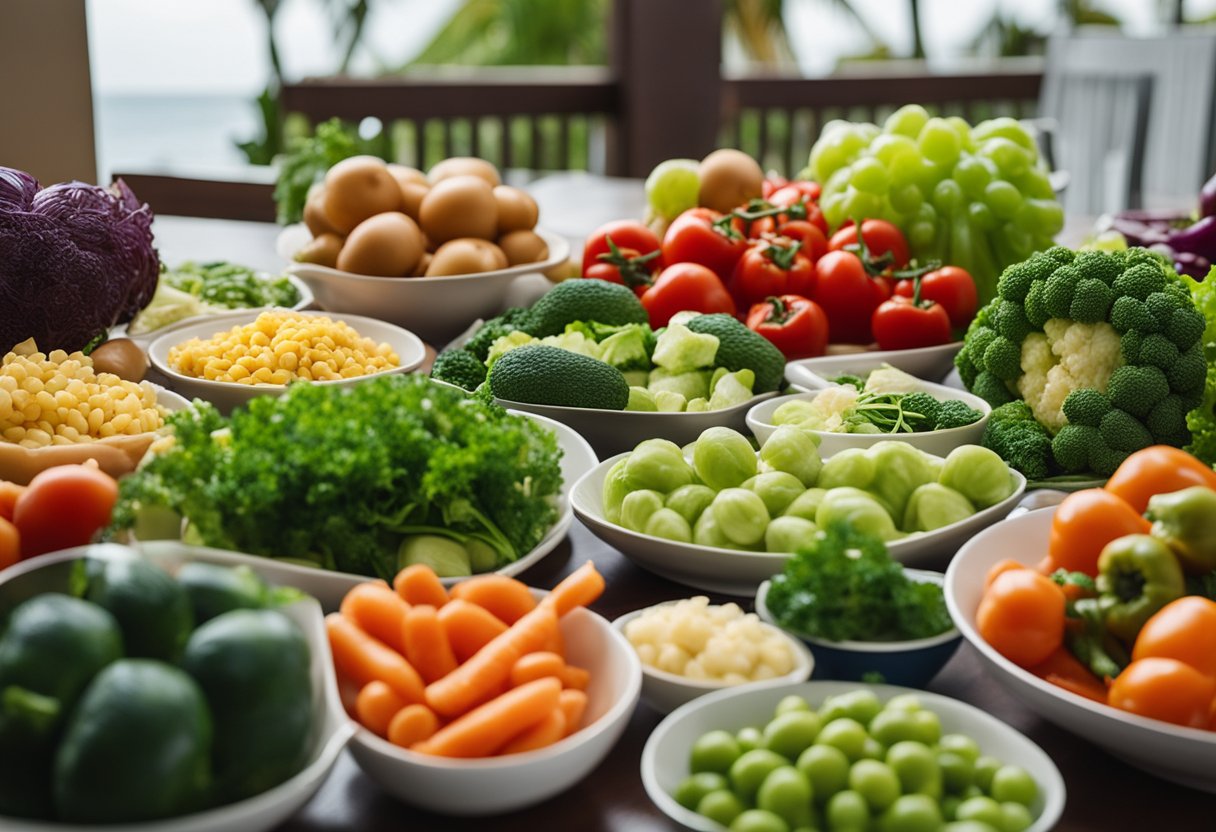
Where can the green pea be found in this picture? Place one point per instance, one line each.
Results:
(847, 812)
(861, 705)
(874, 781)
(793, 702)
(758, 820)
(694, 787)
(960, 744)
(714, 751)
(787, 793)
(749, 771)
(722, 806)
(911, 813)
(891, 726)
(950, 804)
(969, 826)
(792, 733)
(957, 771)
(846, 734)
(984, 809)
(1017, 817)
(827, 767)
(749, 738)
(985, 768)
(873, 750)
(915, 766)
(928, 727)
(1013, 784)
(907, 702)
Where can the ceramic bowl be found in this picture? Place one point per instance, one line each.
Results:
(227, 395)
(330, 731)
(911, 663)
(1183, 755)
(929, 363)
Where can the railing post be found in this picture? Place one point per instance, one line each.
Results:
(666, 56)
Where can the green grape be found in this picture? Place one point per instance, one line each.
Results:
(838, 182)
(851, 141)
(1011, 159)
(1003, 198)
(939, 142)
(869, 131)
(963, 129)
(673, 186)
(1034, 183)
(859, 205)
(870, 176)
(1016, 237)
(1047, 216)
(922, 234)
(972, 176)
(981, 216)
(826, 159)
(908, 121)
(947, 197)
(906, 199)
(1005, 128)
(833, 207)
(887, 146)
(906, 169)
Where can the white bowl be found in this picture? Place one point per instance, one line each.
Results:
(665, 691)
(1172, 752)
(437, 308)
(331, 729)
(329, 587)
(501, 784)
(936, 442)
(733, 572)
(931, 363)
(665, 757)
(613, 431)
(226, 395)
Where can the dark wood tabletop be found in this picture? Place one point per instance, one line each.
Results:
(1104, 794)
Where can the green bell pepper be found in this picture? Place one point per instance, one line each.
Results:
(1137, 575)
(1186, 522)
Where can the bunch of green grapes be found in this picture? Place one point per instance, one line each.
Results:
(977, 197)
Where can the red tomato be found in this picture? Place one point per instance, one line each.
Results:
(848, 295)
(772, 183)
(900, 324)
(950, 286)
(814, 242)
(773, 267)
(701, 236)
(625, 252)
(804, 195)
(685, 286)
(796, 326)
(63, 507)
(880, 237)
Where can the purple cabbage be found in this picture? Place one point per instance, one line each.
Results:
(75, 260)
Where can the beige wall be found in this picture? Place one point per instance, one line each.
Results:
(46, 109)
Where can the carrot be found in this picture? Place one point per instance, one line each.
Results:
(578, 589)
(468, 627)
(575, 677)
(378, 611)
(485, 675)
(1000, 567)
(555, 643)
(9, 492)
(1063, 669)
(376, 706)
(506, 598)
(426, 644)
(488, 727)
(418, 584)
(363, 659)
(546, 732)
(573, 704)
(412, 724)
(537, 666)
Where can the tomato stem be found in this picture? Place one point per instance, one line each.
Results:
(780, 313)
(782, 256)
(633, 270)
(874, 266)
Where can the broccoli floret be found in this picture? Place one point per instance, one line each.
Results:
(1036, 309)
(1086, 407)
(1011, 322)
(1140, 280)
(1189, 371)
(1124, 432)
(1098, 265)
(1104, 460)
(1167, 421)
(967, 371)
(1158, 351)
(1061, 255)
(1091, 301)
(1058, 294)
(991, 389)
(977, 342)
(459, 367)
(921, 403)
(1142, 256)
(1019, 279)
(1071, 445)
(1003, 358)
(1129, 346)
(1129, 314)
(513, 319)
(847, 378)
(1184, 328)
(955, 414)
(1137, 389)
(1163, 305)
(1014, 435)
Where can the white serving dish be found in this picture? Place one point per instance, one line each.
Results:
(437, 308)
(936, 442)
(930, 363)
(331, 730)
(665, 757)
(1182, 755)
(329, 587)
(494, 785)
(613, 431)
(739, 573)
(665, 691)
(226, 395)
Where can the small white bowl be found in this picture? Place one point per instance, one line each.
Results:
(495, 785)
(931, 363)
(437, 308)
(665, 757)
(226, 395)
(665, 691)
(1172, 752)
(936, 442)
(331, 729)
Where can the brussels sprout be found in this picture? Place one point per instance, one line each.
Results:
(707, 532)
(697, 405)
(659, 465)
(723, 458)
(793, 451)
(641, 400)
(616, 486)
(852, 468)
(806, 504)
(899, 469)
(863, 427)
(482, 556)
(679, 349)
(637, 508)
(934, 505)
(689, 501)
(776, 488)
(668, 401)
(670, 525)
(789, 534)
(731, 389)
(449, 558)
(691, 385)
(978, 474)
(799, 413)
(858, 509)
(741, 515)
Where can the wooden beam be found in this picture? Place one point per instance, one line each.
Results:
(182, 196)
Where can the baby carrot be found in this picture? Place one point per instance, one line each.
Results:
(376, 706)
(418, 584)
(555, 643)
(578, 589)
(546, 732)
(378, 611)
(485, 674)
(363, 659)
(573, 704)
(348, 692)
(488, 727)
(9, 492)
(575, 677)
(426, 644)
(413, 723)
(468, 627)
(537, 666)
(506, 598)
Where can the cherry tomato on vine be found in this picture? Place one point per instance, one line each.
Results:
(625, 252)
(796, 326)
(772, 267)
(902, 324)
(685, 286)
(805, 195)
(952, 287)
(880, 236)
(705, 237)
(848, 295)
(814, 242)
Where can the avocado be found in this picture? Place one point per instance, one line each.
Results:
(584, 300)
(541, 374)
(739, 348)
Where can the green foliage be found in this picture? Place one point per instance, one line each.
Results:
(1202, 420)
(307, 159)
